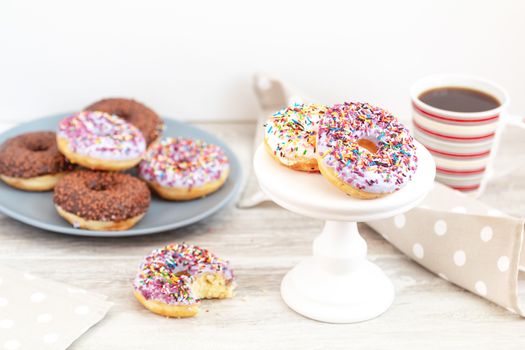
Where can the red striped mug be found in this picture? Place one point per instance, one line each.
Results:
(463, 144)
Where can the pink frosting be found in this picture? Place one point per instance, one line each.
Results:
(101, 135)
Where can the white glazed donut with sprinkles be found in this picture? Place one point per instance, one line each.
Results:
(290, 136)
(184, 169)
(100, 141)
(364, 150)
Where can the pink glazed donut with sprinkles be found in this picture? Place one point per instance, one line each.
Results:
(364, 150)
(172, 280)
(183, 169)
(100, 141)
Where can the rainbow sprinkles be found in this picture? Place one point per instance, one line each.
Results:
(183, 163)
(102, 136)
(344, 130)
(290, 135)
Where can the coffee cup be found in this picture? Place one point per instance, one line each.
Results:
(459, 119)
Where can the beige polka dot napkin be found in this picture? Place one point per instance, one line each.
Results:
(42, 314)
(464, 242)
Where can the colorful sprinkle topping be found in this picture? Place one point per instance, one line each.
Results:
(291, 133)
(344, 132)
(102, 135)
(166, 274)
(183, 163)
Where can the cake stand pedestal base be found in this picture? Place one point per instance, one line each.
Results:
(338, 284)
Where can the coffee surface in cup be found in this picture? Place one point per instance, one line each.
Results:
(459, 99)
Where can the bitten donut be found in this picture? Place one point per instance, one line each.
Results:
(100, 141)
(144, 118)
(364, 150)
(184, 169)
(32, 161)
(290, 136)
(101, 201)
(171, 281)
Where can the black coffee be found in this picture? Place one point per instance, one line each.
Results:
(458, 99)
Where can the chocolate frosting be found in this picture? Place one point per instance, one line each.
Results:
(32, 154)
(144, 118)
(102, 196)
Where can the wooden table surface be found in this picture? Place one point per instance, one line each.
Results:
(262, 244)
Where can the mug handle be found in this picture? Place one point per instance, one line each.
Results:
(509, 120)
(514, 120)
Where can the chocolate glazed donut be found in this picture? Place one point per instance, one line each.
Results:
(144, 118)
(101, 200)
(32, 161)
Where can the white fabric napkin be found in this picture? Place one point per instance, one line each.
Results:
(41, 314)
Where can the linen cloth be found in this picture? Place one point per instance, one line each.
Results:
(463, 241)
(455, 236)
(36, 313)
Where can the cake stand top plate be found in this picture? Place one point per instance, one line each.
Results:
(312, 195)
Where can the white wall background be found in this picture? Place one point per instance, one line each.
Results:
(194, 59)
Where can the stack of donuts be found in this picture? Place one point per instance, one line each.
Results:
(87, 163)
(362, 149)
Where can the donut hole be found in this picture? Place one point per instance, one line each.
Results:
(367, 144)
(98, 186)
(38, 147)
(121, 113)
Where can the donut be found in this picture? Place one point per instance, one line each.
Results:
(171, 281)
(144, 118)
(32, 162)
(290, 136)
(101, 201)
(183, 169)
(364, 150)
(100, 141)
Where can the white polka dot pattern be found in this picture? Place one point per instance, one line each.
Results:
(399, 221)
(481, 288)
(440, 227)
(463, 241)
(418, 250)
(503, 263)
(460, 258)
(41, 314)
(486, 233)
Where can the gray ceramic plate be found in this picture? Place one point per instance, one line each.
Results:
(37, 209)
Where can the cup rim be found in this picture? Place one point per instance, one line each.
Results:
(474, 82)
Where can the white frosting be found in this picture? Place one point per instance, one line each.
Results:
(291, 133)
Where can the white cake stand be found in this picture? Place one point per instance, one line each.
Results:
(338, 284)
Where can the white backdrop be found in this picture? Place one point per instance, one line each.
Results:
(195, 59)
